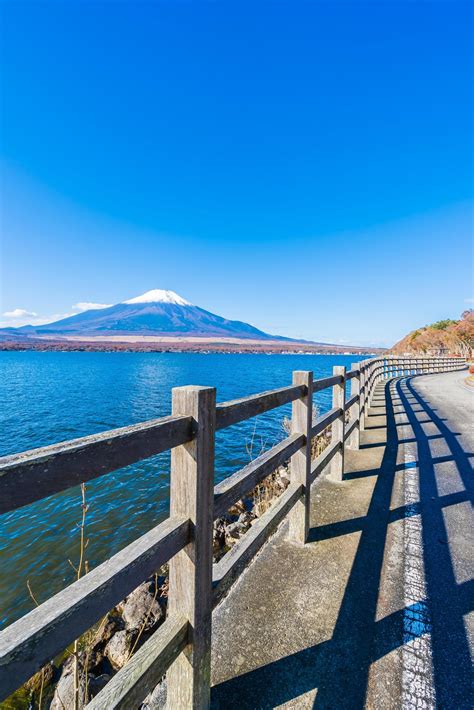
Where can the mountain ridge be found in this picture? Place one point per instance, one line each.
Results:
(157, 321)
(157, 313)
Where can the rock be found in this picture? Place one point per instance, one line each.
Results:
(68, 665)
(246, 519)
(281, 484)
(64, 693)
(119, 647)
(102, 636)
(95, 656)
(97, 683)
(237, 509)
(234, 532)
(141, 607)
(218, 535)
(107, 629)
(156, 700)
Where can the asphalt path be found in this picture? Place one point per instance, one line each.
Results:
(439, 540)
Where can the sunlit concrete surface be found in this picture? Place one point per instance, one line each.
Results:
(374, 611)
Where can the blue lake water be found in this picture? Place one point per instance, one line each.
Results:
(48, 397)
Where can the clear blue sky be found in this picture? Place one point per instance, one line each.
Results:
(304, 166)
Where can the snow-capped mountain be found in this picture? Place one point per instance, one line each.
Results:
(157, 312)
(158, 295)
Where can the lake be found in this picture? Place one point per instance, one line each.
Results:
(53, 396)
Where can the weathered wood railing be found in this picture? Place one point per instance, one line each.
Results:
(181, 646)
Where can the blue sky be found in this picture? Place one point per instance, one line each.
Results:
(303, 166)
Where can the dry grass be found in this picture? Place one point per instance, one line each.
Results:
(273, 486)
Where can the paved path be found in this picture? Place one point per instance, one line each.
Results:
(373, 611)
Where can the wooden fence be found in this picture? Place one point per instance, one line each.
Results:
(181, 645)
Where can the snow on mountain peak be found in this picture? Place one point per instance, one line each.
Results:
(159, 295)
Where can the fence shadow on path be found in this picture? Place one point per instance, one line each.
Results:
(339, 667)
(448, 601)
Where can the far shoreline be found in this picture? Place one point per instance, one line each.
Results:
(195, 345)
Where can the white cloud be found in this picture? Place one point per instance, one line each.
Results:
(20, 316)
(88, 306)
(469, 300)
(20, 313)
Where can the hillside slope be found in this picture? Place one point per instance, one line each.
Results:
(442, 337)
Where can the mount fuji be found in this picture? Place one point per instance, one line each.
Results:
(154, 313)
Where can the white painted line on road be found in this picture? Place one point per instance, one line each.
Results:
(417, 660)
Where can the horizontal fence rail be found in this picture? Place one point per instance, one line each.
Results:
(324, 459)
(349, 428)
(325, 420)
(352, 400)
(181, 645)
(235, 487)
(39, 473)
(145, 669)
(240, 409)
(45, 632)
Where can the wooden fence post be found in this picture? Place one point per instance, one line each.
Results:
(362, 381)
(190, 571)
(371, 385)
(366, 392)
(354, 438)
(301, 423)
(338, 400)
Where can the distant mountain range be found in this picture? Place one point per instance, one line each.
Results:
(154, 313)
